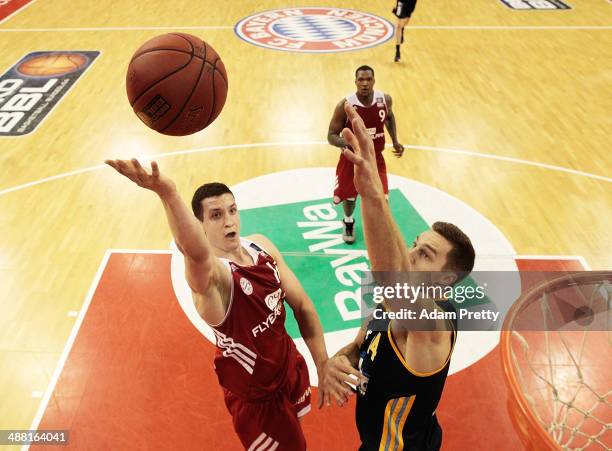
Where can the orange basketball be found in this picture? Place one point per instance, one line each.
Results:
(52, 64)
(176, 83)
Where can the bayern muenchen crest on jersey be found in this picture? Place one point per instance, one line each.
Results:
(246, 286)
(314, 30)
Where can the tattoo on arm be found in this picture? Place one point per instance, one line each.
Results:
(336, 125)
(336, 140)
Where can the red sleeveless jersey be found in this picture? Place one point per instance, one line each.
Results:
(374, 117)
(253, 347)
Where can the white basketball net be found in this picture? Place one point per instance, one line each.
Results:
(569, 393)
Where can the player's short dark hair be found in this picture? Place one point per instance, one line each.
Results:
(213, 189)
(461, 257)
(364, 67)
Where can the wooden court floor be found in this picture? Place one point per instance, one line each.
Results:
(506, 111)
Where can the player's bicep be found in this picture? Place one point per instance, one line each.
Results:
(388, 110)
(203, 275)
(338, 120)
(199, 274)
(389, 103)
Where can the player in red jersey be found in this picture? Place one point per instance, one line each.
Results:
(239, 288)
(374, 107)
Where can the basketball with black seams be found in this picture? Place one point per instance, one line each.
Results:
(177, 84)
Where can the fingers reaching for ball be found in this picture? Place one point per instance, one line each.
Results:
(133, 170)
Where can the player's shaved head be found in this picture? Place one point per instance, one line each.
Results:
(364, 68)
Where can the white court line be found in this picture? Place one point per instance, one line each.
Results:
(75, 330)
(62, 30)
(21, 8)
(510, 159)
(584, 263)
(67, 348)
(510, 27)
(231, 27)
(303, 143)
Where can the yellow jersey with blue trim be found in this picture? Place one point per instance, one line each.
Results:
(396, 406)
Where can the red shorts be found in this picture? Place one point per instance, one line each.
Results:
(345, 186)
(274, 424)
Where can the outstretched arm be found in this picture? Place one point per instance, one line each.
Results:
(205, 273)
(384, 241)
(398, 148)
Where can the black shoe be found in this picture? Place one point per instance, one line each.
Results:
(397, 56)
(348, 234)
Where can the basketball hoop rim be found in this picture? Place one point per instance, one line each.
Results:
(510, 376)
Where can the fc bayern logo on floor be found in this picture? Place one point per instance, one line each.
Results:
(314, 30)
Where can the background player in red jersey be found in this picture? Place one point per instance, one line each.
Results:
(402, 369)
(239, 287)
(374, 107)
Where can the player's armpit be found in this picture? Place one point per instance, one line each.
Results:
(210, 283)
(435, 349)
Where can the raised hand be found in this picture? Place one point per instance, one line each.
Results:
(367, 181)
(133, 170)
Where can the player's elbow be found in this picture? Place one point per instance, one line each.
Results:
(333, 137)
(304, 312)
(307, 310)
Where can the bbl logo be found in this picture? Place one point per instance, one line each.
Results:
(314, 30)
(31, 88)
